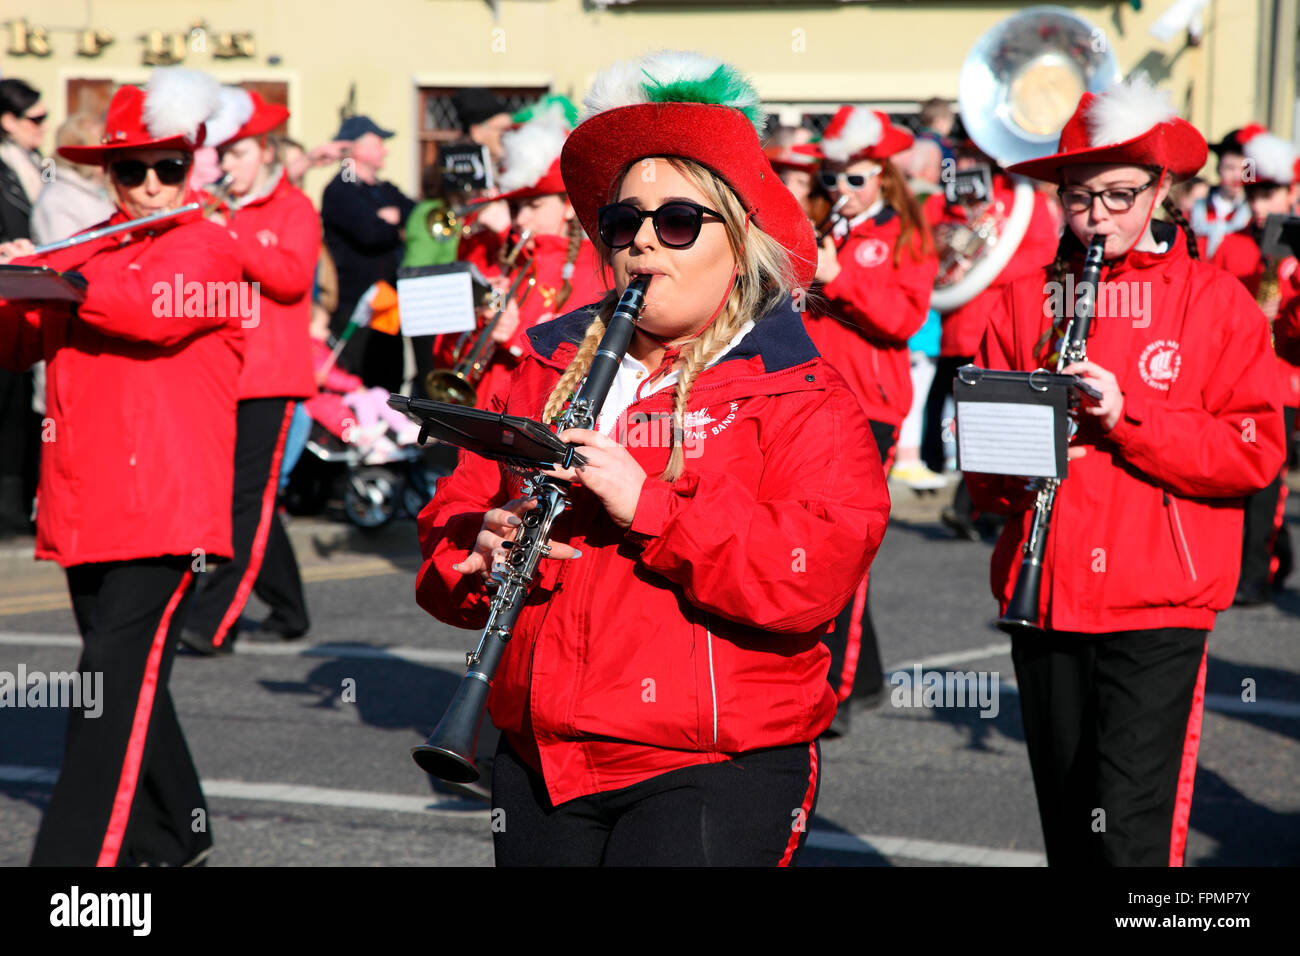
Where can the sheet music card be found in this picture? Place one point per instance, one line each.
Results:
(435, 300)
(1008, 426)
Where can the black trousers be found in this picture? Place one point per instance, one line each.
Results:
(751, 810)
(127, 792)
(264, 562)
(855, 654)
(1265, 545)
(19, 451)
(945, 368)
(1112, 723)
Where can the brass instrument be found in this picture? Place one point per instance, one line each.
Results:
(1019, 84)
(459, 385)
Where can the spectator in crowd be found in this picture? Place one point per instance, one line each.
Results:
(22, 130)
(363, 217)
(75, 199)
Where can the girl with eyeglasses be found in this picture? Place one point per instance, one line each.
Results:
(557, 268)
(136, 471)
(662, 694)
(875, 270)
(1145, 539)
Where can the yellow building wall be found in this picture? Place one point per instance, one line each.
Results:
(880, 52)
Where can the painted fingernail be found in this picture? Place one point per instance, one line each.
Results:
(514, 521)
(577, 554)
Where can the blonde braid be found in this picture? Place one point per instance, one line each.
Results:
(573, 375)
(694, 358)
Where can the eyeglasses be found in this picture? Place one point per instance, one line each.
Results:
(854, 180)
(132, 172)
(1115, 199)
(677, 223)
(38, 119)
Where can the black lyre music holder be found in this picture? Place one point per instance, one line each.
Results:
(512, 439)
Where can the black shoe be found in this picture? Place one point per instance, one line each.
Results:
(192, 642)
(960, 525)
(872, 699)
(275, 626)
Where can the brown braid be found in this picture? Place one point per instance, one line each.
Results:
(1181, 222)
(576, 236)
(1066, 249)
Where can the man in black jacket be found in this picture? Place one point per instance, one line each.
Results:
(363, 217)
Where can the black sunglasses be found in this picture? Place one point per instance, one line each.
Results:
(132, 172)
(1115, 199)
(677, 223)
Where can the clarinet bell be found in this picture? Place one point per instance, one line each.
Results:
(448, 754)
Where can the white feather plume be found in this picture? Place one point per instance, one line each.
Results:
(1272, 158)
(177, 101)
(861, 131)
(623, 84)
(527, 152)
(234, 109)
(1127, 110)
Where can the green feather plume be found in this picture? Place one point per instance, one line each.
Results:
(725, 86)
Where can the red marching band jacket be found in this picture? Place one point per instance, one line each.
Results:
(696, 633)
(1239, 255)
(963, 327)
(1147, 528)
(141, 389)
(278, 237)
(870, 311)
(544, 263)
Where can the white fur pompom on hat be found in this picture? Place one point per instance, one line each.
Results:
(234, 109)
(178, 101)
(858, 128)
(673, 76)
(529, 151)
(1127, 110)
(1272, 159)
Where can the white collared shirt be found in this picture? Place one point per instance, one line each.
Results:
(631, 373)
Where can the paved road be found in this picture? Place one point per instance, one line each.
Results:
(297, 776)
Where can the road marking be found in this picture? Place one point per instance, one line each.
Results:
(1220, 703)
(928, 851)
(311, 574)
(957, 657)
(417, 655)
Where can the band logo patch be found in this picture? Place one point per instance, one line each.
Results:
(1159, 364)
(871, 252)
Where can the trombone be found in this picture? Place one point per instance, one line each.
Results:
(459, 385)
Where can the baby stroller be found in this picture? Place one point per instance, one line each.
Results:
(376, 489)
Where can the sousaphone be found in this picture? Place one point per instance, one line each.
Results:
(1019, 84)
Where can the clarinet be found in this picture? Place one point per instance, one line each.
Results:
(1022, 614)
(449, 752)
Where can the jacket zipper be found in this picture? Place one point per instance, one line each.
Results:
(713, 687)
(1172, 504)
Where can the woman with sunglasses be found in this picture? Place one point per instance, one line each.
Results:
(557, 269)
(663, 691)
(875, 270)
(1145, 538)
(277, 232)
(135, 487)
(22, 130)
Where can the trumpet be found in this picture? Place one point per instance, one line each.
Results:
(459, 385)
(449, 752)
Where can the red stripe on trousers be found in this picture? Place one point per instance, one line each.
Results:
(853, 647)
(1187, 772)
(1279, 515)
(259, 539)
(806, 807)
(130, 776)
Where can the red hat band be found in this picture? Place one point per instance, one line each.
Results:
(551, 184)
(266, 117)
(721, 138)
